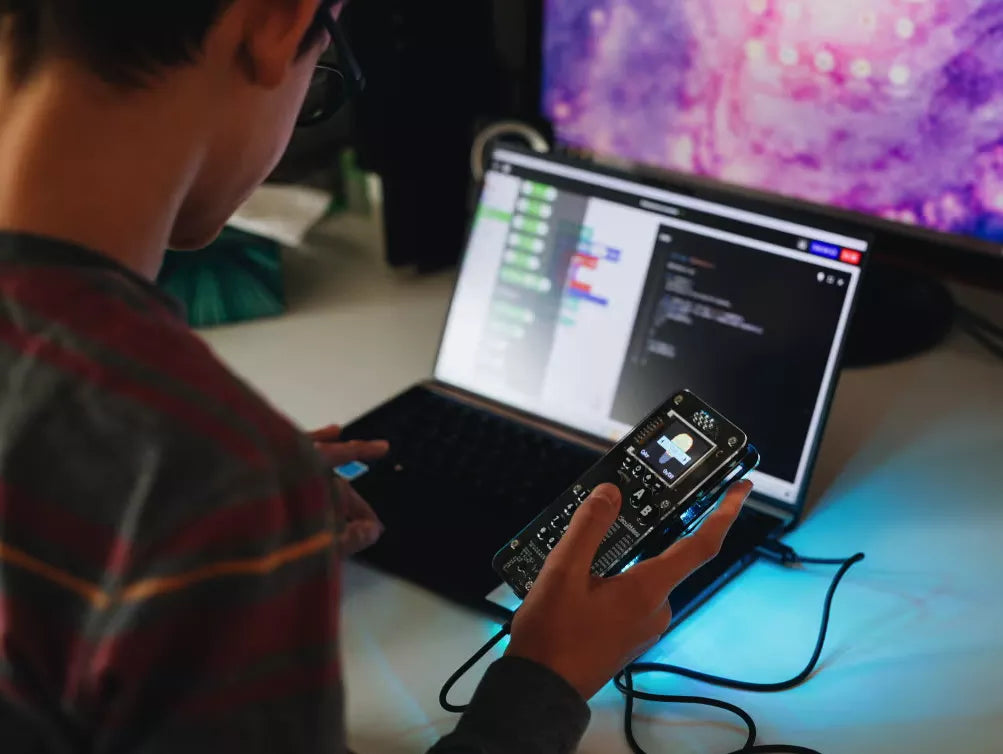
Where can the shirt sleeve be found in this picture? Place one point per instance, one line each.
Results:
(520, 707)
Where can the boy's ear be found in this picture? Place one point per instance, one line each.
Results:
(273, 34)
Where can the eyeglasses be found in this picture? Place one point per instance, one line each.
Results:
(334, 84)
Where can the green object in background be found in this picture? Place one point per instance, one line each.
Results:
(236, 278)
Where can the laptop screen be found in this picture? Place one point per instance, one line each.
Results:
(587, 299)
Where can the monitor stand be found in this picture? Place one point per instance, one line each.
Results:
(900, 314)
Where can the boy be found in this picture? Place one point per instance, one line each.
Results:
(169, 544)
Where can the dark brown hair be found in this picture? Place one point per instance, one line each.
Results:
(125, 42)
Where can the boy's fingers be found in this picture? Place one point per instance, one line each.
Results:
(589, 525)
(665, 572)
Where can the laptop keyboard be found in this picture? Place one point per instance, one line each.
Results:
(440, 440)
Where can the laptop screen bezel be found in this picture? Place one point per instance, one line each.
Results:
(652, 178)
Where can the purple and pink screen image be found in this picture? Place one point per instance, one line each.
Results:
(892, 108)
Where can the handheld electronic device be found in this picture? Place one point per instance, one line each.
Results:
(671, 469)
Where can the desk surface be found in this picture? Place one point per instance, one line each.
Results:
(907, 473)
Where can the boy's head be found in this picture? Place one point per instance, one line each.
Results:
(232, 74)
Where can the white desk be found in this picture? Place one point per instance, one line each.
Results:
(909, 472)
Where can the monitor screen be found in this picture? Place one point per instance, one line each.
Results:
(587, 299)
(892, 108)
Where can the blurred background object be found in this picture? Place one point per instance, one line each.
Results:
(237, 278)
(438, 73)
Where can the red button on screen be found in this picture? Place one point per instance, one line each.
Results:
(850, 256)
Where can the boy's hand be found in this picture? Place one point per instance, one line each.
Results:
(586, 628)
(362, 526)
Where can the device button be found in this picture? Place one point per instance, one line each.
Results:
(638, 471)
(649, 480)
(637, 497)
(647, 513)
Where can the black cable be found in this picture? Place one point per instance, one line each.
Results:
(448, 686)
(778, 552)
(986, 332)
(984, 339)
(624, 680)
(654, 667)
(631, 694)
(981, 321)
(824, 561)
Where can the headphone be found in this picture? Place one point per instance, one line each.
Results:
(509, 130)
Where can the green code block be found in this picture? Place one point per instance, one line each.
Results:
(525, 279)
(522, 259)
(526, 243)
(537, 227)
(536, 207)
(491, 213)
(519, 314)
(539, 191)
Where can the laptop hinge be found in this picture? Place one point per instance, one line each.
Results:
(771, 509)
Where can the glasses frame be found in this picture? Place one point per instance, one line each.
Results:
(346, 79)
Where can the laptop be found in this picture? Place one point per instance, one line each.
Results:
(585, 297)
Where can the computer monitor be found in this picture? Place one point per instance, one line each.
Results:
(889, 109)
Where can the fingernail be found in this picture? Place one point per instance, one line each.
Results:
(745, 488)
(606, 493)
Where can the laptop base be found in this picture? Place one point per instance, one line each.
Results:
(447, 513)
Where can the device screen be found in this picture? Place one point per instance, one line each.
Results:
(676, 450)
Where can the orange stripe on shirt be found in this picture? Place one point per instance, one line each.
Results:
(150, 588)
(90, 592)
